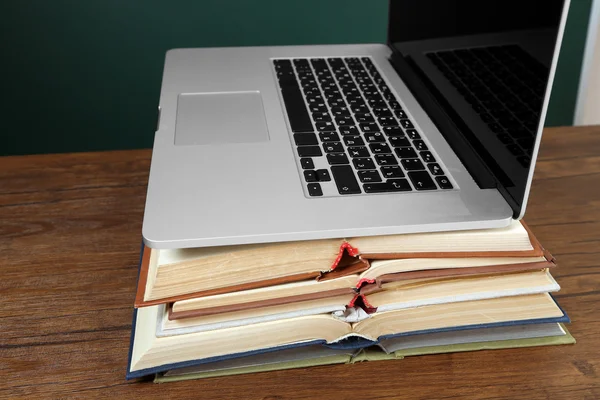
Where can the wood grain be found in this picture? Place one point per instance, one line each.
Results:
(69, 246)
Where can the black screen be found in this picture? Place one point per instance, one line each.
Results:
(486, 64)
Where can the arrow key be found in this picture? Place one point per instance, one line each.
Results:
(421, 180)
(314, 189)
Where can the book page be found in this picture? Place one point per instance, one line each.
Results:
(421, 292)
(511, 238)
(247, 317)
(441, 316)
(385, 267)
(185, 271)
(267, 293)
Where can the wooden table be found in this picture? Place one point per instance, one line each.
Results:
(70, 232)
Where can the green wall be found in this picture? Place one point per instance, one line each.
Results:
(85, 75)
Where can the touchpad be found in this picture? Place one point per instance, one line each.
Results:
(212, 118)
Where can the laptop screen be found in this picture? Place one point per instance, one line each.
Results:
(487, 65)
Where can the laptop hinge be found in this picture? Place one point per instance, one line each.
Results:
(451, 126)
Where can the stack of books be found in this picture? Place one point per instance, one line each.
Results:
(228, 310)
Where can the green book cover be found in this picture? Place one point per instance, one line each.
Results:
(372, 354)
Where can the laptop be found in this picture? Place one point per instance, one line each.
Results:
(438, 129)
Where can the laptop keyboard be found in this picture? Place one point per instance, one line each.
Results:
(505, 86)
(350, 133)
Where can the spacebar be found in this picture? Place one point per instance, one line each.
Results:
(296, 109)
(344, 179)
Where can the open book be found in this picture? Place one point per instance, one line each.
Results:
(385, 295)
(153, 353)
(325, 268)
(486, 338)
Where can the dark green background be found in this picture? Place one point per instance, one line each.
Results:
(85, 75)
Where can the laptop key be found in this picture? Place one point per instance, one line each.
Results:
(377, 103)
(405, 152)
(412, 164)
(382, 112)
(356, 102)
(399, 184)
(359, 108)
(413, 134)
(369, 176)
(348, 130)
(300, 62)
(360, 118)
(427, 156)
(329, 137)
(393, 131)
(375, 137)
(314, 98)
(305, 75)
(386, 159)
(435, 169)
(368, 127)
(333, 147)
(279, 64)
(340, 111)
(310, 176)
(406, 124)
(307, 163)
(334, 103)
(398, 141)
(309, 84)
(387, 121)
(389, 97)
(443, 182)
(355, 99)
(421, 180)
(400, 114)
(380, 148)
(286, 75)
(323, 175)
(325, 126)
(367, 61)
(363, 163)
(309, 151)
(392, 171)
(305, 139)
(337, 158)
(354, 141)
(321, 117)
(331, 93)
(296, 109)
(393, 185)
(317, 108)
(344, 178)
(344, 121)
(394, 105)
(420, 145)
(314, 189)
(358, 151)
